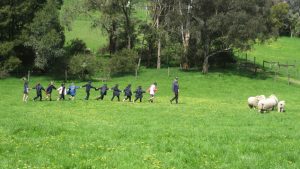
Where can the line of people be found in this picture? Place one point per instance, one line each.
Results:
(72, 90)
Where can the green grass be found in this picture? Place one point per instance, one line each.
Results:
(95, 38)
(283, 50)
(212, 126)
(81, 29)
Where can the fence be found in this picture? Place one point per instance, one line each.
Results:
(287, 71)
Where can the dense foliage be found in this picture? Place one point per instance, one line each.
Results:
(190, 33)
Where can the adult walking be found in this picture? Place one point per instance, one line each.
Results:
(175, 88)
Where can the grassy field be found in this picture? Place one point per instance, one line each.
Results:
(284, 50)
(212, 126)
(94, 38)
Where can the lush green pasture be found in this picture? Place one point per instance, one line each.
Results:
(283, 50)
(212, 126)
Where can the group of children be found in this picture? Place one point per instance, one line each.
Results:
(72, 89)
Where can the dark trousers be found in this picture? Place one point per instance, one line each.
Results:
(49, 96)
(128, 97)
(115, 96)
(175, 98)
(87, 95)
(38, 95)
(101, 97)
(62, 97)
(138, 98)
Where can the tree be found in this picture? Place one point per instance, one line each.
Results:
(223, 25)
(46, 36)
(281, 17)
(14, 17)
(116, 20)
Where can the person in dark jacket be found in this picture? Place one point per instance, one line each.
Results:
(38, 89)
(139, 94)
(49, 91)
(175, 89)
(127, 93)
(103, 91)
(72, 91)
(25, 91)
(88, 88)
(116, 92)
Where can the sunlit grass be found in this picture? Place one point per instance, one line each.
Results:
(212, 126)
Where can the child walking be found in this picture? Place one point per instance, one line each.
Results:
(72, 91)
(49, 91)
(139, 94)
(116, 92)
(152, 90)
(62, 92)
(127, 93)
(25, 91)
(38, 89)
(88, 88)
(103, 91)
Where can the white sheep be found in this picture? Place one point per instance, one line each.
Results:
(253, 101)
(281, 106)
(267, 104)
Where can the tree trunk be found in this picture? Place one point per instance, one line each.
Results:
(128, 42)
(158, 53)
(185, 32)
(112, 38)
(158, 44)
(205, 65)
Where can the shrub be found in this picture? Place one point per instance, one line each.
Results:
(124, 61)
(83, 65)
(9, 65)
(77, 46)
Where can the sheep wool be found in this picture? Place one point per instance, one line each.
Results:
(267, 104)
(281, 106)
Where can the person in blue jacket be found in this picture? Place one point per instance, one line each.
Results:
(49, 91)
(127, 93)
(72, 91)
(175, 89)
(103, 91)
(139, 94)
(38, 89)
(116, 92)
(88, 88)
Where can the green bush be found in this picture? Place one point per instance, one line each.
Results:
(9, 65)
(83, 65)
(77, 46)
(124, 61)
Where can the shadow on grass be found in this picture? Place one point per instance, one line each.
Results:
(234, 70)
